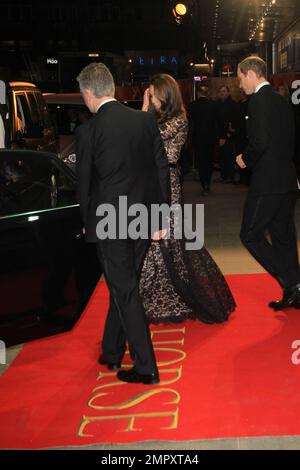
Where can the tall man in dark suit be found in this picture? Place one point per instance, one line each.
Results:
(202, 114)
(270, 200)
(120, 153)
(228, 121)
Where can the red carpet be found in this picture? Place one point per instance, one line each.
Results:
(231, 380)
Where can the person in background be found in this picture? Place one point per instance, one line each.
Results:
(283, 90)
(228, 121)
(202, 116)
(4, 127)
(2, 133)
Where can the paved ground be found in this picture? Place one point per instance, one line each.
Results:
(223, 212)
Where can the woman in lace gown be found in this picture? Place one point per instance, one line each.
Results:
(178, 284)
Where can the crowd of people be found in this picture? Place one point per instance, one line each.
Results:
(219, 133)
(123, 152)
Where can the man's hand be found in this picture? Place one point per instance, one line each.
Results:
(222, 142)
(159, 235)
(240, 162)
(231, 130)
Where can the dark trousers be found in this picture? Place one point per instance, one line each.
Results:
(227, 159)
(126, 319)
(204, 162)
(273, 213)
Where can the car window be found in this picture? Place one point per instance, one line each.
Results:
(36, 116)
(43, 110)
(29, 184)
(67, 117)
(23, 120)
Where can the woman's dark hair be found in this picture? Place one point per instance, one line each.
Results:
(168, 92)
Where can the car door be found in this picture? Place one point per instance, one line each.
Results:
(46, 270)
(66, 118)
(50, 142)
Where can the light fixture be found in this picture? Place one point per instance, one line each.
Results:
(261, 23)
(180, 9)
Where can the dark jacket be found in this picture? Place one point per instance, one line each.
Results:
(119, 153)
(203, 117)
(270, 151)
(227, 116)
(241, 138)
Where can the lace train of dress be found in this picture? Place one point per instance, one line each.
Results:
(177, 285)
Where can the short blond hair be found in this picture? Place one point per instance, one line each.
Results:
(254, 63)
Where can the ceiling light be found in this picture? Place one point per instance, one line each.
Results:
(180, 9)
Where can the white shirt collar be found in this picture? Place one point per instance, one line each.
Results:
(260, 86)
(104, 102)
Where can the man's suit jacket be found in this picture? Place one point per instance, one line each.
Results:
(227, 115)
(271, 143)
(119, 153)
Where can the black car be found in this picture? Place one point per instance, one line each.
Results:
(47, 271)
(25, 117)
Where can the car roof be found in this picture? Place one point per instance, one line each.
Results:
(23, 84)
(16, 86)
(63, 98)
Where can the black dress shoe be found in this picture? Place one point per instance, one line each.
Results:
(291, 298)
(110, 365)
(132, 376)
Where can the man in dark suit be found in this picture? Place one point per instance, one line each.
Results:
(202, 114)
(120, 153)
(270, 201)
(228, 121)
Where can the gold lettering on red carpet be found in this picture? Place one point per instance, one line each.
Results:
(115, 405)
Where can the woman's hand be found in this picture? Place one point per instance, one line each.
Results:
(146, 100)
(240, 162)
(159, 235)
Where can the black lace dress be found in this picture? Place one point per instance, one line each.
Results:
(178, 284)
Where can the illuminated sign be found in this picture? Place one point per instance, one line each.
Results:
(199, 79)
(52, 61)
(157, 60)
